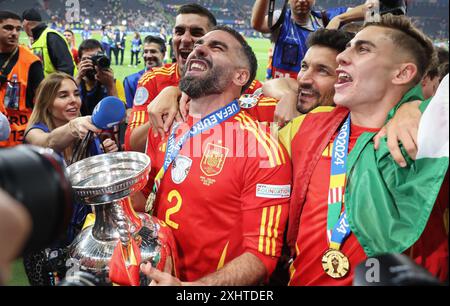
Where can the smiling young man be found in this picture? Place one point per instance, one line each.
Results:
(192, 22)
(222, 182)
(16, 61)
(154, 51)
(379, 68)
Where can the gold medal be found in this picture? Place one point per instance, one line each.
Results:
(149, 204)
(335, 264)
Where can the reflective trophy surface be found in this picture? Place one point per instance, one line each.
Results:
(106, 182)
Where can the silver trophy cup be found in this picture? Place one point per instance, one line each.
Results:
(106, 182)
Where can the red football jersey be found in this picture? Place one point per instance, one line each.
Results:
(430, 251)
(226, 193)
(149, 86)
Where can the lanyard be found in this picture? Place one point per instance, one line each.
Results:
(338, 228)
(206, 123)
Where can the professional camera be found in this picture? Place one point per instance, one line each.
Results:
(101, 60)
(36, 178)
(394, 7)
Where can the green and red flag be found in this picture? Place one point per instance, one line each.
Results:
(388, 206)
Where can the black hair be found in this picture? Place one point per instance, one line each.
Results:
(68, 30)
(442, 55)
(333, 39)
(89, 44)
(194, 8)
(157, 40)
(9, 15)
(246, 50)
(443, 71)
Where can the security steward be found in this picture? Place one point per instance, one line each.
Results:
(48, 44)
(21, 73)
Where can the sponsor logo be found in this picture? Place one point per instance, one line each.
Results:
(273, 191)
(213, 159)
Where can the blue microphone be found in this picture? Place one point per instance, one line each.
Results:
(108, 113)
(5, 129)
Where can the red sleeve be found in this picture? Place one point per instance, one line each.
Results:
(146, 91)
(431, 250)
(151, 150)
(267, 184)
(265, 109)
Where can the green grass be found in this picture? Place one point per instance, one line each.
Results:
(18, 276)
(260, 47)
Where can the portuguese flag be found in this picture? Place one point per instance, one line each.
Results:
(388, 206)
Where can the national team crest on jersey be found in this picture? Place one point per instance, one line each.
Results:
(213, 159)
(180, 168)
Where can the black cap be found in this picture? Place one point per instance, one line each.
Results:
(31, 15)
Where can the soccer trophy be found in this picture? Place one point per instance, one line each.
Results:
(120, 239)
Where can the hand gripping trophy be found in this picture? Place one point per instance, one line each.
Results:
(113, 248)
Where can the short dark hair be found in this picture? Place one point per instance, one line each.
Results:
(89, 44)
(443, 71)
(68, 30)
(433, 68)
(408, 39)
(442, 55)
(194, 8)
(333, 39)
(246, 50)
(9, 15)
(156, 40)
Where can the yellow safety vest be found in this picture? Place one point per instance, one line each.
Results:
(40, 48)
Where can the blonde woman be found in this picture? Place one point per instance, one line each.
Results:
(55, 121)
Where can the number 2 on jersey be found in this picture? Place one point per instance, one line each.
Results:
(173, 194)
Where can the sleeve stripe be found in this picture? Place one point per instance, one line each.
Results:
(274, 146)
(275, 236)
(262, 230)
(269, 229)
(222, 257)
(267, 104)
(258, 138)
(278, 145)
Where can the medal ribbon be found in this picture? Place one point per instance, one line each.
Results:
(338, 228)
(206, 123)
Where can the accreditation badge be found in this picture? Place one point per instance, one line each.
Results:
(335, 263)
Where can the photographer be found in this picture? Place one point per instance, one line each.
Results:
(95, 77)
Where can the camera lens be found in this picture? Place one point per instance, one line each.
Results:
(104, 62)
(35, 177)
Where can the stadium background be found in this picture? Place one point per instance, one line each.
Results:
(157, 18)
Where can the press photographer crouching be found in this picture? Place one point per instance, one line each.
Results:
(95, 77)
(31, 219)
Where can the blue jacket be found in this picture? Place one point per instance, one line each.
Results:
(130, 85)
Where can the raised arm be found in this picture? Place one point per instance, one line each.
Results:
(259, 19)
